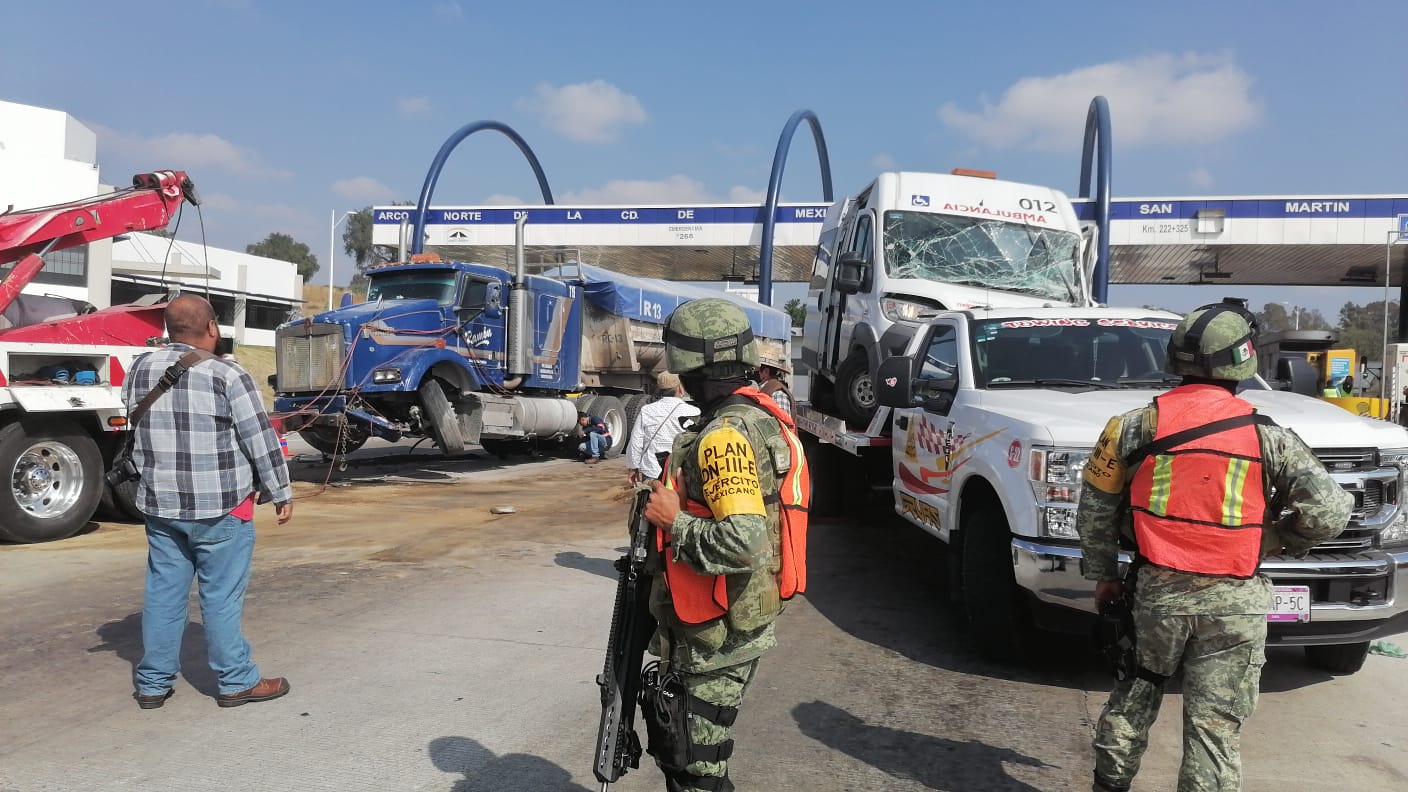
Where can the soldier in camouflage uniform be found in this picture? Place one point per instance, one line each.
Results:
(1213, 626)
(728, 467)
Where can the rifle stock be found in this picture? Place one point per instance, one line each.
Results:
(618, 748)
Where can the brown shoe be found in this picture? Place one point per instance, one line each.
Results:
(265, 690)
(154, 701)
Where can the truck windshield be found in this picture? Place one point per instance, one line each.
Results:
(437, 285)
(1087, 352)
(972, 251)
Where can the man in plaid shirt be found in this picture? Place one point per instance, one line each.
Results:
(204, 450)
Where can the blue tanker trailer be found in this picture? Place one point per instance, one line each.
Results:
(470, 353)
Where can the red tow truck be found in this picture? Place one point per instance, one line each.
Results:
(62, 363)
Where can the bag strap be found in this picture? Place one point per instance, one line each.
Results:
(1163, 444)
(173, 373)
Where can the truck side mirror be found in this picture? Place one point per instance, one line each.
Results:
(850, 272)
(1298, 374)
(894, 383)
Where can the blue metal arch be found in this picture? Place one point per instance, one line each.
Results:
(428, 189)
(1097, 132)
(779, 162)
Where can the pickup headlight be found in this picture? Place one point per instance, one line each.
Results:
(386, 376)
(1396, 531)
(897, 310)
(1055, 475)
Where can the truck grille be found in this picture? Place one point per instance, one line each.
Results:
(1347, 460)
(309, 357)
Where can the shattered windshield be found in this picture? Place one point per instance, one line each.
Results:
(437, 285)
(973, 251)
(1098, 352)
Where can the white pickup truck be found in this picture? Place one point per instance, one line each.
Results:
(991, 415)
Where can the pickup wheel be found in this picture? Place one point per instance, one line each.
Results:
(55, 474)
(1338, 658)
(331, 442)
(443, 424)
(855, 390)
(1000, 623)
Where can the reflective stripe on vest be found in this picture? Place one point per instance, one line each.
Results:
(1200, 506)
(699, 598)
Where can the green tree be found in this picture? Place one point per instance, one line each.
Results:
(285, 248)
(357, 240)
(797, 311)
(1274, 318)
(1362, 327)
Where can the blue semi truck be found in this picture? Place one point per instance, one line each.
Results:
(469, 353)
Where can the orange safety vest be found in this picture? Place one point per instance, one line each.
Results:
(1199, 500)
(700, 598)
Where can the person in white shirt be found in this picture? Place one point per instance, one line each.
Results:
(655, 429)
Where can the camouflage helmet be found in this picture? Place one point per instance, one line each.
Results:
(1214, 341)
(710, 333)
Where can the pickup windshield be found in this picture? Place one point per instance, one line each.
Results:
(1086, 352)
(437, 285)
(973, 251)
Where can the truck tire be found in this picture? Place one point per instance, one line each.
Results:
(1338, 658)
(55, 472)
(855, 390)
(633, 404)
(329, 441)
(996, 616)
(440, 418)
(611, 410)
(121, 502)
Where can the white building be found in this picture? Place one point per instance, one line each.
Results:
(47, 157)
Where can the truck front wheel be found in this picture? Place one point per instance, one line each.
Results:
(996, 615)
(1338, 658)
(440, 416)
(55, 474)
(855, 390)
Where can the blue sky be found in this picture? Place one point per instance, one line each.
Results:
(286, 111)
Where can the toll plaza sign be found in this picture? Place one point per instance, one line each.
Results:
(796, 224)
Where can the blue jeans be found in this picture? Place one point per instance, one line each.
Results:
(595, 446)
(217, 552)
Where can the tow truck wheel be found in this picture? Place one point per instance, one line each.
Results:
(855, 390)
(1338, 658)
(56, 478)
(444, 425)
(332, 442)
(999, 623)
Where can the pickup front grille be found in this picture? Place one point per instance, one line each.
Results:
(309, 357)
(1348, 460)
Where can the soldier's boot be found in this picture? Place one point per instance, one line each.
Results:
(1101, 785)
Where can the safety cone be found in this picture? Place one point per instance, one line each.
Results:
(283, 445)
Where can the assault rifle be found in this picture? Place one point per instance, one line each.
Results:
(617, 746)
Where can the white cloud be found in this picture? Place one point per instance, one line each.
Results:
(291, 216)
(362, 189)
(1160, 98)
(450, 10)
(883, 162)
(193, 151)
(676, 189)
(1200, 177)
(593, 112)
(499, 199)
(413, 105)
(746, 195)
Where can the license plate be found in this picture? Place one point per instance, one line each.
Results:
(1290, 604)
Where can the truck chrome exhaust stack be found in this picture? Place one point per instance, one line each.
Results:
(518, 307)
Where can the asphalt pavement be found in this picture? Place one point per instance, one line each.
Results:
(433, 645)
